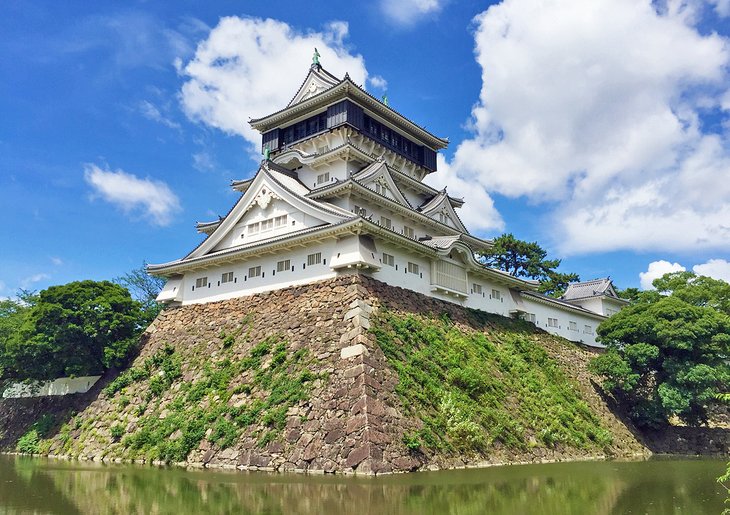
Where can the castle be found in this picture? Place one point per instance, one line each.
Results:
(341, 190)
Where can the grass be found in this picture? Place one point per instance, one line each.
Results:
(474, 390)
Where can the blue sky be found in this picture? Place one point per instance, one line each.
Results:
(599, 129)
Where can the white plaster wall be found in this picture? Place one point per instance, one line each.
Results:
(543, 311)
(485, 301)
(296, 221)
(592, 304)
(269, 280)
(61, 386)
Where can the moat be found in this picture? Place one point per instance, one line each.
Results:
(658, 486)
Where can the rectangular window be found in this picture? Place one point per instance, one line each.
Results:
(408, 232)
(254, 271)
(253, 228)
(386, 222)
(201, 282)
(381, 188)
(323, 177)
(360, 210)
(444, 218)
(283, 266)
(412, 268)
(588, 329)
(573, 326)
(529, 317)
(552, 322)
(496, 294)
(314, 259)
(476, 288)
(388, 259)
(267, 225)
(280, 221)
(227, 277)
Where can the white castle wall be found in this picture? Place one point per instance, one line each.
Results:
(61, 386)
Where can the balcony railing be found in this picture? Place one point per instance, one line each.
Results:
(449, 276)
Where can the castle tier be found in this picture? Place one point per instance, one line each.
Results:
(341, 191)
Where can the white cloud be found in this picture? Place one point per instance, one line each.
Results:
(151, 112)
(153, 198)
(658, 269)
(378, 82)
(715, 268)
(27, 282)
(478, 213)
(203, 161)
(407, 12)
(722, 7)
(57, 261)
(595, 108)
(249, 68)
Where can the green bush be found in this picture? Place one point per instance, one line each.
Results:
(28, 443)
(117, 432)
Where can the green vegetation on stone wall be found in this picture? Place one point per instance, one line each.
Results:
(474, 390)
(232, 395)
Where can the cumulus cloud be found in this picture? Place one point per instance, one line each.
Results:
(378, 82)
(595, 109)
(479, 212)
(250, 67)
(715, 268)
(656, 270)
(407, 13)
(152, 198)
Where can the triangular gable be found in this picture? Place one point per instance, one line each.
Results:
(317, 81)
(440, 206)
(376, 176)
(264, 189)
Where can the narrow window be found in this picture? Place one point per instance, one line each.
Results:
(283, 266)
(386, 222)
(529, 317)
(201, 282)
(412, 268)
(381, 189)
(496, 294)
(280, 221)
(314, 259)
(253, 228)
(254, 271)
(323, 177)
(360, 210)
(408, 232)
(573, 326)
(227, 277)
(388, 259)
(552, 322)
(267, 225)
(476, 288)
(588, 329)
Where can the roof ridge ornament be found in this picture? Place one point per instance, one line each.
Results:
(384, 99)
(315, 59)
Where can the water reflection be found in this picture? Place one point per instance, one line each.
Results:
(41, 486)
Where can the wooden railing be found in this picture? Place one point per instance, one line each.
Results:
(450, 276)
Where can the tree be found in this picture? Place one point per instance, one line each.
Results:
(13, 313)
(527, 259)
(667, 353)
(80, 328)
(144, 288)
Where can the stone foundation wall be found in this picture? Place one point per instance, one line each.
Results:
(353, 422)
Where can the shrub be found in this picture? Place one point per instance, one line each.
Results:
(28, 443)
(117, 432)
